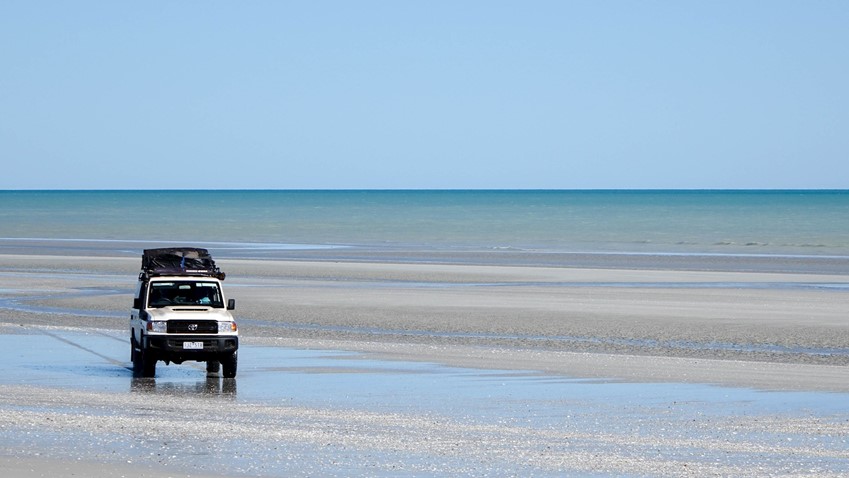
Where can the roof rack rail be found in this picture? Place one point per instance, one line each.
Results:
(178, 261)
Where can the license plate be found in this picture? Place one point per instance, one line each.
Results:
(192, 345)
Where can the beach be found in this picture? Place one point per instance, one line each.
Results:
(424, 240)
(736, 330)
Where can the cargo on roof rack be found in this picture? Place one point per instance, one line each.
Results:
(178, 261)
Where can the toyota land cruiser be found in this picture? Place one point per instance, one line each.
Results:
(179, 313)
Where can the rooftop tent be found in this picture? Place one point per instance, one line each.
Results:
(179, 261)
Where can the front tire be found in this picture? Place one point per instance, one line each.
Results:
(144, 362)
(149, 365)
(212, 366)
(229, 365)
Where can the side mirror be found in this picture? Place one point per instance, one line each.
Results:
(231, 304)
(137, 303)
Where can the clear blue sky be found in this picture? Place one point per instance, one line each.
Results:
(438, 94)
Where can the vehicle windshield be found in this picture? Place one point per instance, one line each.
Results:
(164, 294)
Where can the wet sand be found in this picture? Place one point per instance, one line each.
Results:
(764, 330)
(638, 324)
(74, 407)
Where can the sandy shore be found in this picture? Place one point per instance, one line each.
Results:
(46, 467)
(767, 330)
(762, 330)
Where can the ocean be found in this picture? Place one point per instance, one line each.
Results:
(795, 223)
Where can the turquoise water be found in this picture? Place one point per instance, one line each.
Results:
(715, 222)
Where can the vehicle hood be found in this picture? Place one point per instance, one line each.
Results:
(193, 312)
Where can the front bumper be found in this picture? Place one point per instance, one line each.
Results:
(171, 347)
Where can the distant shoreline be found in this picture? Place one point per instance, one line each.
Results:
(343, 190)
(718, 262)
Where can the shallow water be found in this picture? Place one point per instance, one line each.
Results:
(741, 431)
(722, 222)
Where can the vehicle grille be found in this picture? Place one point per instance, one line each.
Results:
(192, 327)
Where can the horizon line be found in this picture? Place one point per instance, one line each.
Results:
(426, 190)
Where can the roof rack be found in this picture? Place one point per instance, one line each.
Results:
(178, 261)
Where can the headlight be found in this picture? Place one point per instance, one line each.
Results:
(226, 327)
(159, 326)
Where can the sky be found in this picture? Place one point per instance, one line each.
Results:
(458, 94)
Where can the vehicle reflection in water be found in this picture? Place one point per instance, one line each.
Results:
(225, 387)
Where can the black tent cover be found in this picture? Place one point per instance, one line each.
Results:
(179, 261)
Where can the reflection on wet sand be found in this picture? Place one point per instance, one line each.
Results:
(225, 387)
(306, 412)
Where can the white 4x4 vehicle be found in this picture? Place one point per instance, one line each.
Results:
(179, 313)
